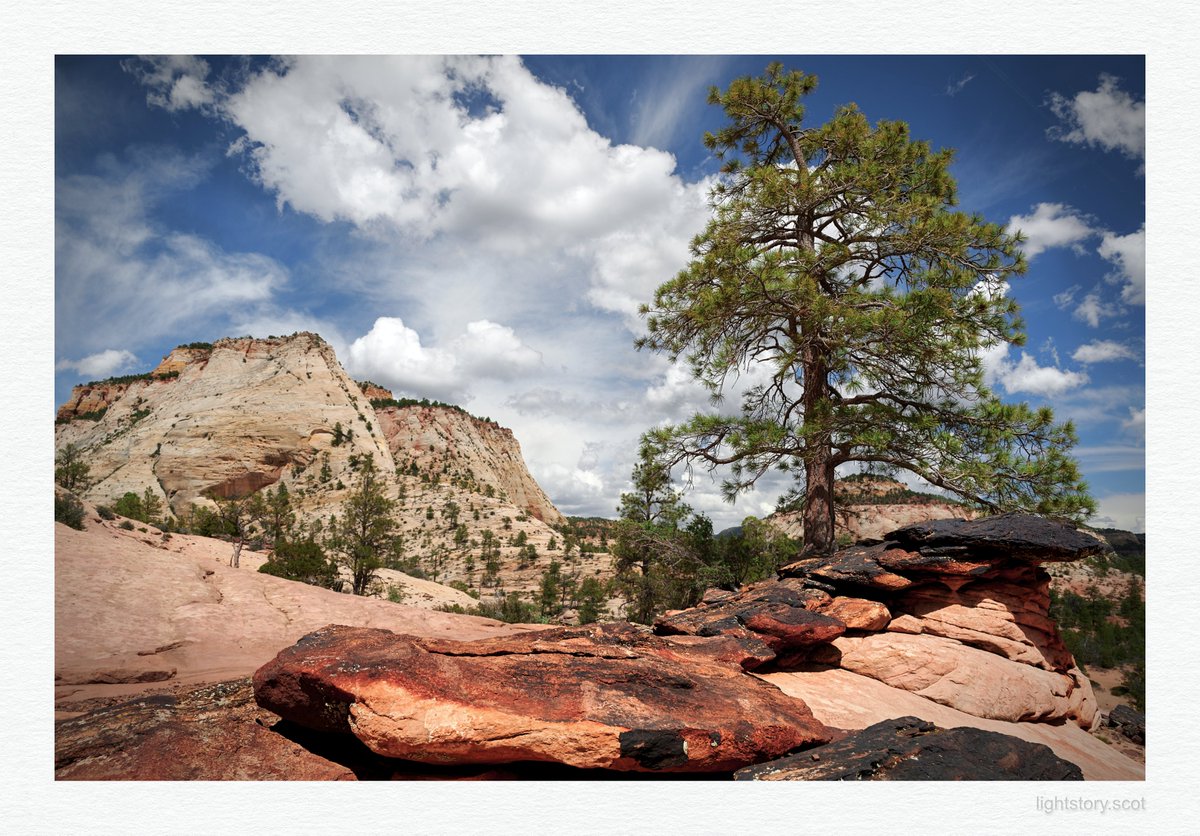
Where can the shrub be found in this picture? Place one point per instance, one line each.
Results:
(129, 505)
(304, 561)
(513, 609)
(68, 510)
(127, 525)
(458, 609)
(105, 512)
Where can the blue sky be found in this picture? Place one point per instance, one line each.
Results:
(482, 230)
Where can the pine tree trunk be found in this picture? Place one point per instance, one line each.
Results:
(818, 456)
(818, 506)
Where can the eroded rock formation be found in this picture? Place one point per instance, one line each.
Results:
(484, 455)
(953, 610)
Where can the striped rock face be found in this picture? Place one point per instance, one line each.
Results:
(604, 696)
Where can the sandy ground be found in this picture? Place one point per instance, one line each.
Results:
(137, 613)
(1103, 681)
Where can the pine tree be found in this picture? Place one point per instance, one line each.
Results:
(592, 596)
(659, 559)
(836, 270)
(550, 589)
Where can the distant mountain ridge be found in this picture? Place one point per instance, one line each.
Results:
(867, 507)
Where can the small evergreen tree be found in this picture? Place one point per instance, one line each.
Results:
(366, 534)
(592, 596)
(68, 510)
(129, 505)
(152, 507)
(550, 589)
(659, 561)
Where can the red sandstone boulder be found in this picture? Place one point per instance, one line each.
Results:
(608, 696)
(857, 613)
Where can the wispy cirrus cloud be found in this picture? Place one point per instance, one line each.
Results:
(126, 278)
(956, 86)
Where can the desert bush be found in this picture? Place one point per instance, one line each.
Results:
(68, 510)
(127, 525)
(105, 512)
(304, 561)
(513, 609)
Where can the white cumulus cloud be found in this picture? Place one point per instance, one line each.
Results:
(455, 150)
(1128, 253)
(1093, 309)
(173, 82)
(1103, 351)
(101, 364)
(1052, 225)
(1027, 376)
(393, 354)
(1107, 117)
(494, 350)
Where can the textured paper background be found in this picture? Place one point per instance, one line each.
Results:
(30, 800)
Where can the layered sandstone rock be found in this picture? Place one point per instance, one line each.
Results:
(602, 696)
(955, 611)
(975, 681)
(245, 414)
(482, 454)
(911, 749)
